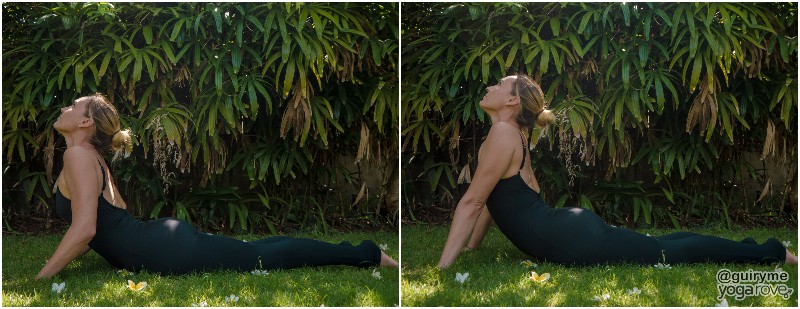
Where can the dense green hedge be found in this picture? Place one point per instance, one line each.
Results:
(658, 104)
(244, 114)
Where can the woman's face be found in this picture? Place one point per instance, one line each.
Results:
(498, 95)
(72, 117)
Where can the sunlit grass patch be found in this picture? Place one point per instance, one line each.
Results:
(500, 276)
(91, 281)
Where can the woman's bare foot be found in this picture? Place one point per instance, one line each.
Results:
(791, 259)
(387, 261)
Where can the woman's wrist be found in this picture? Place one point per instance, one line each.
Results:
(41, 274)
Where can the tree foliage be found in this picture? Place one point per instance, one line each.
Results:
(246, 114)
(657, 103)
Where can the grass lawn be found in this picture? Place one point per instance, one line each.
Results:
(497, 276)
(91, 281)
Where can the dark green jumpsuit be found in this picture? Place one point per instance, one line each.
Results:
(578, 236)
(171, 246)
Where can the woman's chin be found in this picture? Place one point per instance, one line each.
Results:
(57, 127)
(484, 105)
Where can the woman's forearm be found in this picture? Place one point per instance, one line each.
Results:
(463, 222)
(84, 251)
(73, 245)
(482, 225)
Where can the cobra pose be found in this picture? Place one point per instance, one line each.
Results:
(86, 196)
(504, 189)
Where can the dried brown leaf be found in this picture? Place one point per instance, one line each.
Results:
(361, 193)
(465, 175)
(363, 144)
(764, 192)
(769, 141)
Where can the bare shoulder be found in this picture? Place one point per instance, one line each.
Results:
(79, 159)
(503, 137)
(502, 133)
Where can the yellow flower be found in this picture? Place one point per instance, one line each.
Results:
(539, 278)
(136, 286)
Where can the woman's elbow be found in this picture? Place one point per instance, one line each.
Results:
(86, 233)
(471, 206)
(90, 234)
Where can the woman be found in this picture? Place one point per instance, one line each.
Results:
(86, 196)
(505, 189)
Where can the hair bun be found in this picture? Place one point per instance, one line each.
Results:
(121, 144)
(545, 118)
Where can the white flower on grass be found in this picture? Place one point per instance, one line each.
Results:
(58, 287)
(376, 273)
(384, 247)
(602, 297)
(724, 303)
(201, 304)
(460, 278)
(787, 243)
(232, 298)
(635, 290)
(260, 272)
(662, 266)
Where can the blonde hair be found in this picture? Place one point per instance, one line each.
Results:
(533, 109)
(108, 136)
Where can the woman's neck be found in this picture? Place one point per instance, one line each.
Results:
(78, 139)
(504, 115)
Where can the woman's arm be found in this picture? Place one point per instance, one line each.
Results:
(498, 150)
(484, 221)
(84, 251)
(84, 188)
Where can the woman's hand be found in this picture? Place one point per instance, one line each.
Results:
(494, 160)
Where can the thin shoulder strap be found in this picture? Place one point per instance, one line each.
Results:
(524, 151)
(103, 171)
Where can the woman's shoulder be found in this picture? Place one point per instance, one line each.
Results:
(503, 130)
(502, 136)
(78, 155)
